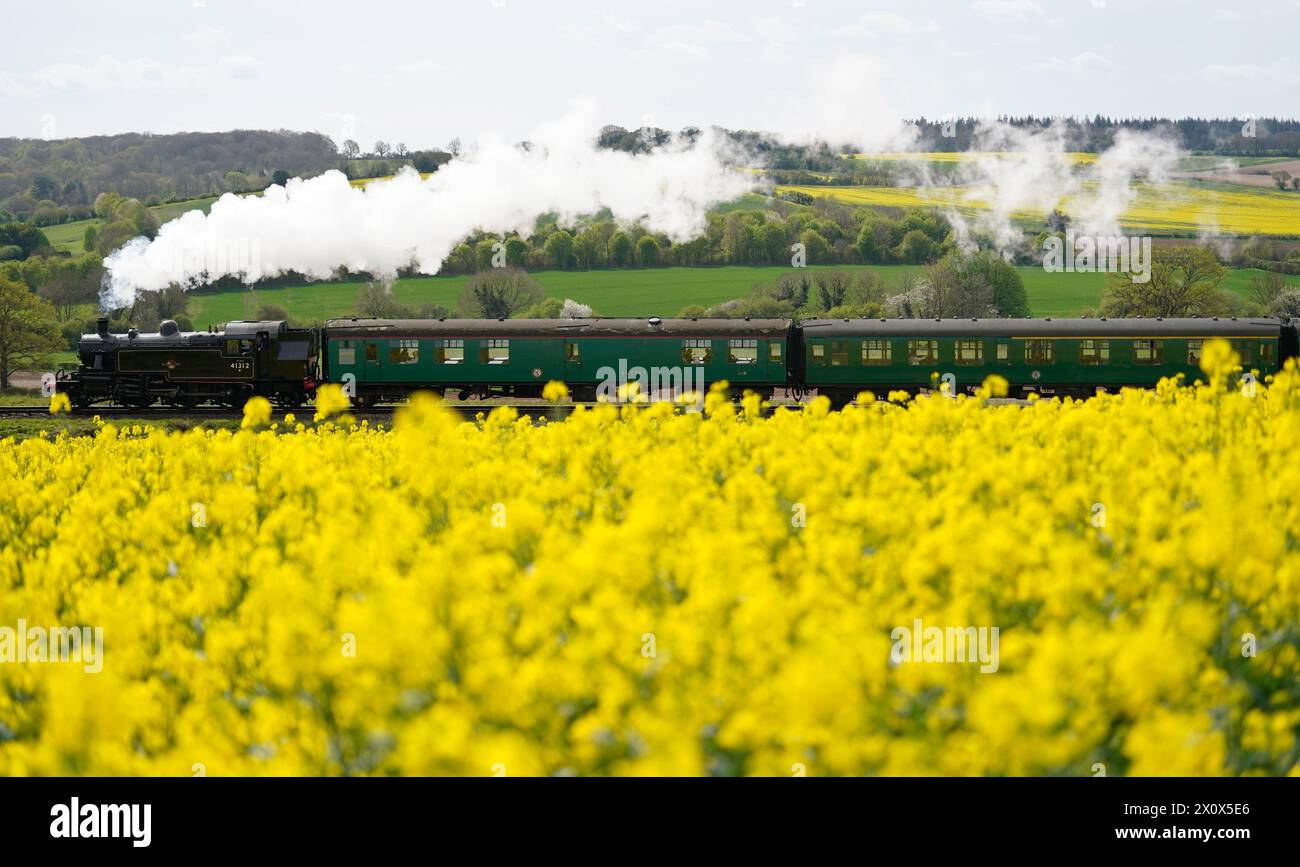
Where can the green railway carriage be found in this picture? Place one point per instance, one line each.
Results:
(387, 359)
(1061, 356)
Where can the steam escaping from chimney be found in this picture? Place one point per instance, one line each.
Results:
(319, 226)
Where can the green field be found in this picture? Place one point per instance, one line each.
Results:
(643, 292)
(68, 237)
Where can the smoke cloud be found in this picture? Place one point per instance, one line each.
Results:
(321, 225)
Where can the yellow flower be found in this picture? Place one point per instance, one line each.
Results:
(59, 403)
(555, 392)
(257, 413)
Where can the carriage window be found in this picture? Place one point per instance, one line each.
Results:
(372, 353)
(876, 352)
(696, 351)
(347, 352)
(1194, 352)
(1004, 351)
(1148, 351)
(292, 350)
(1266, 353)
(1094, 352)
(969, 352)
(1242, 348)
(494, 351)
(234, 346)
(839, 353)
(922, 352)
(403, 351)
(774, 350)
(448, 351)
(572, 352)
(819, 353)
(742, 351)
(1039, 352)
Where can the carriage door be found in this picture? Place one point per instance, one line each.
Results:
(369, 361)
(572, 361)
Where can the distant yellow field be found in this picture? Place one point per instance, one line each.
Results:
(958, 156)
(1174, 208)
(361, 182)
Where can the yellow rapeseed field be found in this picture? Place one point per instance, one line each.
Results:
(1174, 208)
(638, 591)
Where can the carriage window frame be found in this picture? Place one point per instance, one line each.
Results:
(1266, 352)
(372, 353)
(494, 351)
(877, 353)
(1003, 351)
(1244, 355)
(818, 352)
(450, 350)
(347, 353)
(1094, 352)
(1040, 351)
(839, 353)
(572, 351)
(403, 351)
(774, 350)
(697, 350)
(742, 350)
(1195, 349)
(968, 352)
(923, 352)
(1148, 351)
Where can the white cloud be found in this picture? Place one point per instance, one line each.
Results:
(1283, 71)
(691, 39)
(143, 73)
(205, 36)
(415, 72)
(591, 33)
(9, 85)
(874, 23)
(1016, 9)
(778, 39)
(1079, 64)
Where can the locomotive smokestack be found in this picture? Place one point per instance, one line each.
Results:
(101, 327)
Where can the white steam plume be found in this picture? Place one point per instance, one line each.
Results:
(318, 226)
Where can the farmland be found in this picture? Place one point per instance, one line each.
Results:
(646, 605)
(634, 292)
(1182, 209)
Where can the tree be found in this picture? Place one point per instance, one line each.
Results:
(376, 299)
(916, 248)
(647, 251)
(279, 178)
(401, 150)
(88, 239)
(498, 293)
(381, 148)
(29, 330)
(1264, 288)
(72, 282)
(815, 246)
(832, 287)
(152, 307)
(31, 239)
(620, 248)
(559, 248)
(351, 149)
(988, 268)
(272, 313)
(453, 147)
(1281, 178)
(1184, 282)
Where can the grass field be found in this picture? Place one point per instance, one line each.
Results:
(1182, 209)
(647, 292)
(69, 237)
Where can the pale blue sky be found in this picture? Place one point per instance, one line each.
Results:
(421, 73)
